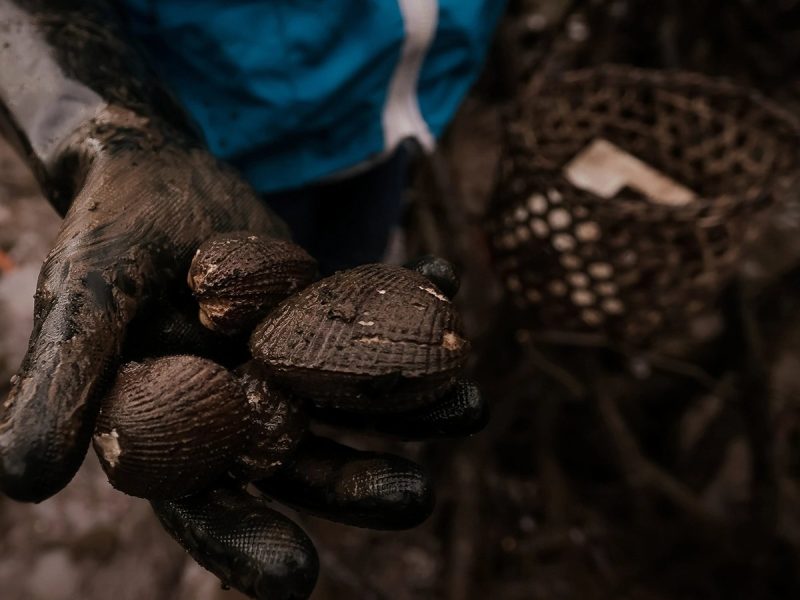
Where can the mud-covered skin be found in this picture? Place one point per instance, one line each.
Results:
(364, 489)
(142, 194)
(245, 543)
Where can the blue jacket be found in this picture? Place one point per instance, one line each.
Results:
(297, 91)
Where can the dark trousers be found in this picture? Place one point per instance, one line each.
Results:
(347, 222)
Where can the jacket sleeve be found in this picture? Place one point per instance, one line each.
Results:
(65, 67)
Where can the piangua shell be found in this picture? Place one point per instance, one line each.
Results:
(239, 277)
(377, 338)
(170, 426)
(278, 424)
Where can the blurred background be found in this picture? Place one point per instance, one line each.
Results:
(646, 477)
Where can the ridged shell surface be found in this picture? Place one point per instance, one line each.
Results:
(377, 338)
(239, 277)
(170, 426)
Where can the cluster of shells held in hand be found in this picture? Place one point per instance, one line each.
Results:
(379, 339)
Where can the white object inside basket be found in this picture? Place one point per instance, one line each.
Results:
(605, 169)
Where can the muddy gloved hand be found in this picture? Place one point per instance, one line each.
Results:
(139, 193)
(115, 155)
(145, 204)
(377, 348)
(262, 553)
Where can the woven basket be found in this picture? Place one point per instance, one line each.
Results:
(629, 265)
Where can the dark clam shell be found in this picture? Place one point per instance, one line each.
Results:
(278, 425)
(170, 426)
(377, 338)
(239, 277)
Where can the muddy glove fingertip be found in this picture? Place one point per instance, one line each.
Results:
(438, 271)
(247, 545)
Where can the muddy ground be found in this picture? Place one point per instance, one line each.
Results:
(680, 482)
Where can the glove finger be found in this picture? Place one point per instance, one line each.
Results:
(364, 489)
(461, 412)
(247, 545)
(47, 420)
(439, 272)
(172, 328)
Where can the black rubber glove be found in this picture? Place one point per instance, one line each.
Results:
(140, 193)
(262, 553)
